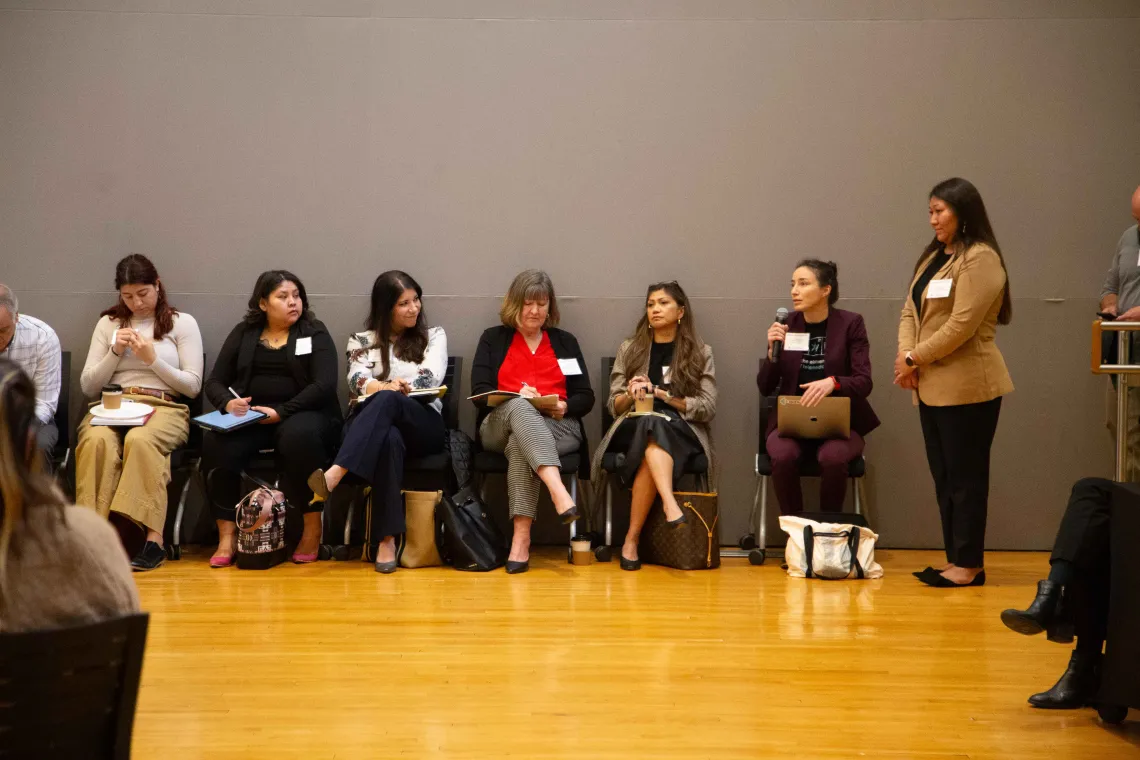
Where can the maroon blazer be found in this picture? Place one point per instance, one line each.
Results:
(848, 360)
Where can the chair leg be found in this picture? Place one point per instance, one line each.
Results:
(348, 522)
(861, 505)
(181, 511)
(762, 526)
(574, 497)
(855, 489)
(609, 512)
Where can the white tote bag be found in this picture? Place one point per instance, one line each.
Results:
(832, 551)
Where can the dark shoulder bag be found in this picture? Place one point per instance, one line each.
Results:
(466, 536)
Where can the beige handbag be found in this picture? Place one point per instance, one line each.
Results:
(419, 549)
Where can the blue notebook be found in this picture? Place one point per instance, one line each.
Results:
(223, 423)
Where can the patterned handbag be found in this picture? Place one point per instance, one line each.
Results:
(692, 546)
(260, 519)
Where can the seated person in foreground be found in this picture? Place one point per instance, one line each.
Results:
(153, 353)
(837, 362)
(60, 566)
(527, 354)
(666, 362)
(281, 362)
(1073, 600)
(397, 354)
(34, 347)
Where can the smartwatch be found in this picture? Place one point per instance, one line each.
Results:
(909, 360)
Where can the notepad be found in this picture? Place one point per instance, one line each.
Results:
(424, 393)
(494, 398)
(221, 422)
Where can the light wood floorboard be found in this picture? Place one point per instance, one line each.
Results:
(336, 661)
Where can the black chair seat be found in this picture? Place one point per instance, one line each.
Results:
(491, 462)
(180, 458)
(697, 464)
(440, 462)
(809, 467)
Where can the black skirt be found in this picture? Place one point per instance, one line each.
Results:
(672, 434)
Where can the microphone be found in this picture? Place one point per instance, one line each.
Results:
(778, 346)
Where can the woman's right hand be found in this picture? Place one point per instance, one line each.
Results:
(776, 332)
(638, 386)
(238, 406)
(123, 338)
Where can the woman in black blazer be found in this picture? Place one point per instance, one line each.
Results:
(529, 355)
(281, 361)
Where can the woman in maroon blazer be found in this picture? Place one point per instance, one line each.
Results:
(837, 362)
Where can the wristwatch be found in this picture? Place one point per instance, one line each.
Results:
(909, 360)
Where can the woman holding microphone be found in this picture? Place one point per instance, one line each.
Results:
(947, 355)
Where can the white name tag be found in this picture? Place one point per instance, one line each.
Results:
(569, 367)
(939, 288)
(797, 341)
(666, 374)
(304, 346)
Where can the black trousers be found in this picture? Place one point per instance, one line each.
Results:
(958, 441)
(304, 442)
(379, 435)
(1083, 539)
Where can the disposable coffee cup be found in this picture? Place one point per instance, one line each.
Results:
(580, 553)
(112, 396)
(644, 404)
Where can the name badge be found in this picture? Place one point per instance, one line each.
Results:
(666, 374)
(304, 346)
(939, 288)
(797, 341)
(569, 367)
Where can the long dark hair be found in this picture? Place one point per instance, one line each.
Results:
(136, 269)
(23, 483)
(826, 273)
(688, 362)
(267, 282)
(412, 343)
(973, 227)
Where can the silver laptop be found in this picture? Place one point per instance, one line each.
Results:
(831, 418)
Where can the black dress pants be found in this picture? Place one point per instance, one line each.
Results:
(379, 435)
(1083, 539)
(304, 442)
(958, 440)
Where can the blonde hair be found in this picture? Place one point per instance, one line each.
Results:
(529, 285)
(22, 480)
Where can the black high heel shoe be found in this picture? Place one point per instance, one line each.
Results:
(570, 515)
(629, 564)
(1048, 612)
(514, 568)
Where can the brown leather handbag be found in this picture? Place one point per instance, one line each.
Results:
(692, 546)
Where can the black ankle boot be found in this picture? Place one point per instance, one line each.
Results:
(1077, 686)
(1048, 612)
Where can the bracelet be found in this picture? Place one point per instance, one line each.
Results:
(113, 351)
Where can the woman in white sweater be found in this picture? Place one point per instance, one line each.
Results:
(396, 355)
(154, 353)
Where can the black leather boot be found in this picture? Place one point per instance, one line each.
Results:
(1077, 687)
(1048, 612)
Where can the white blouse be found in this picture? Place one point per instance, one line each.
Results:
(365, 362)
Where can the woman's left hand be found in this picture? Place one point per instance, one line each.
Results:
(901, 367)
(815, 392)
(559, 411)
(143, 349)
(271, 415)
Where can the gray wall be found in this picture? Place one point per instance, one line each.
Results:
(612, 143)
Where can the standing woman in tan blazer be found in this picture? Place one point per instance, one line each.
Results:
(947, 356)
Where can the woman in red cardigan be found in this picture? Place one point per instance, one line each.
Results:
(837, 362)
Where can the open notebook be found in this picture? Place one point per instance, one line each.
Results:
(494, 398)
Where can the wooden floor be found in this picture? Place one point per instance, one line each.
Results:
(336, 661)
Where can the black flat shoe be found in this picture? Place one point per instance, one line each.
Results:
(1077, 686)
(386, 567)
(920, 573)
(936, 579)
(1046, 613)
(514, 568)
(151, 556)
(570, 515)
(629, 564)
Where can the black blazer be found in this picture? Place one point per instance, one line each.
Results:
(489, 357)
(316, 372)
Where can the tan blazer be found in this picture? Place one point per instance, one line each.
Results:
(953, 344)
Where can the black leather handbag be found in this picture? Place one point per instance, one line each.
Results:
(466, 536)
